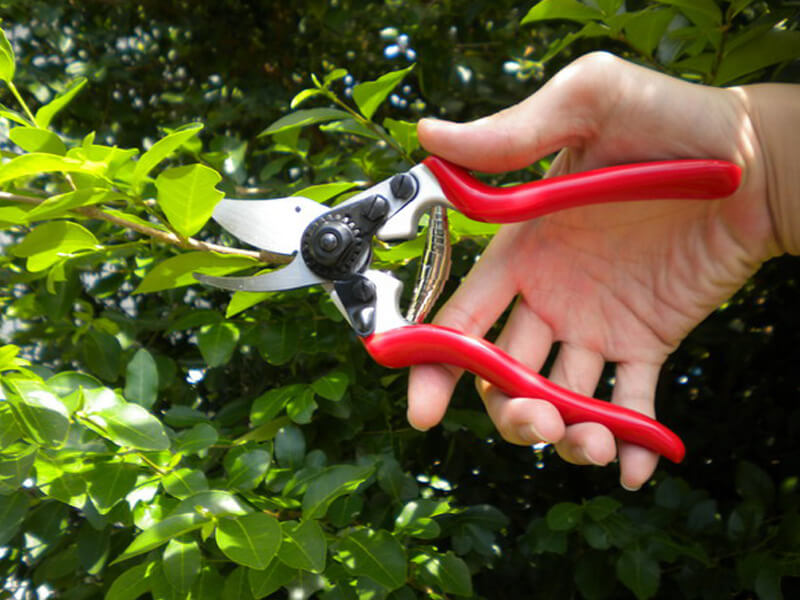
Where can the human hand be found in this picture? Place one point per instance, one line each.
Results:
(621, 283)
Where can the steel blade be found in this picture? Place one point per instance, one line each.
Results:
(294, 275)
(274, 225)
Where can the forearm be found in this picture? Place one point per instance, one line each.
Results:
(775, 114)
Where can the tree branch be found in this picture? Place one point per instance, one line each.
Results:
(165, 237)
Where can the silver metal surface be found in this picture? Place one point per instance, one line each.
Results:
(403, 221)
(294, 275)
(387, 305)
(274, 225)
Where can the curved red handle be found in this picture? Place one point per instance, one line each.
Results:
(686, 179)
(425, 344)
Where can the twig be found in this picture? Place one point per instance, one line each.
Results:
(166, 237)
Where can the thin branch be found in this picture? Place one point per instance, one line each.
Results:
(165, 237)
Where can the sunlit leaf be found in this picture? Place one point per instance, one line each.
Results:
(37, 163)
(7, 59)
(304, 546)
(217, 343)
(33, 139)
(38, 411)
(161, 532)
(141, 380)
(181, 563)
(369, 95)
(336, 481)
(375, 554)
(447, 572)
(179, 270)
(45, 114)
(303, 118)
(571, 10)
(250, 540)
(188, 195)
(163, 148)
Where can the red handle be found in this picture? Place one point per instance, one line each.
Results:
(689, 179)
(425, 344)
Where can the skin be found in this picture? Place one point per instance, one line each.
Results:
(621, 283)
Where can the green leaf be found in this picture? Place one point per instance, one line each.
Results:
(125, 423)
(369, 95)
(102, 354)
(268, 405)
(265, 582)
(591, 576)
(33, 139)
(161, 532)
(7, 59)
(44, 116)
(38, 411)
(163, 148)
(50, 242)
(141, 379)
(564, 516)
(393, 480)
(241, 301)
(350, 127)
(250, 540)
(200, 437)
(181, 563)
(301, 408)
(37, 163)
(179, 270)
(304, 546)
(57, 206)
(13, 509)
(303, 118)
(639, 572)
(246, 469)
(325, 191)
(131, 584)
(335, 481)
(331, 386)
(212, 502)
(571, 10)
(404, 133)
(704, 13)
(188, 195)
(447, 572)
(645, 29)
(109, 483)
(375, 554)
(237, 586)
(774, 47)
(185, 482)
(278, 342)
(754, 484)
(600, 508)
(217, 343)
(303, 96)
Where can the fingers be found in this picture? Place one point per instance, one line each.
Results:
(477, 303)
(570, 108)
(579, 369)
(523, 420)
(635, 389)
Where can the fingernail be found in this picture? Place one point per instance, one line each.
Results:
(531, 435)
(628, 488)
(589, 458)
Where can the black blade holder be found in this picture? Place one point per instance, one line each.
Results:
(338, 247)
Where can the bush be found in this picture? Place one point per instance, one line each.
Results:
(159, 437)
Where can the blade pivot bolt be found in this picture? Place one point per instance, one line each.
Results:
(404, 186)
(329, 241)
(364, 290)
(375, 208)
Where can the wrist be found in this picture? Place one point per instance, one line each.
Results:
(775, 113)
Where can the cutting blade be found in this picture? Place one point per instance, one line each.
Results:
(273, 225)
(294, 275)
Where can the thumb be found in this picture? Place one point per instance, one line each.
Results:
(565, 112)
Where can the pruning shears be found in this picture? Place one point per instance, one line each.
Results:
(332, 247)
